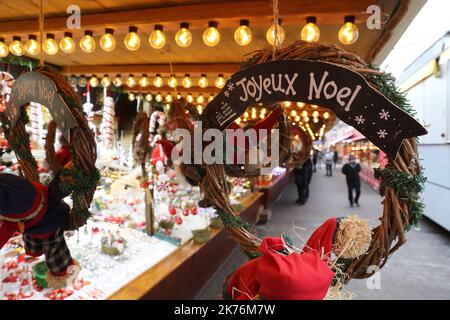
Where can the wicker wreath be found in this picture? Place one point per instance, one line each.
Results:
(80, 177)
(401, 180)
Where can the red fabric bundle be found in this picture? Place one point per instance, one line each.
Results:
(321, 240)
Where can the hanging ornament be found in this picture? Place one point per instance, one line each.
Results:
(157, 38)
(211, 36)
(67, 45)
(183, 37)
(32, 46)
(87, 43)
(132, 40)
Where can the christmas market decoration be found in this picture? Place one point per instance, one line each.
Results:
(368, 100)
(107, 121)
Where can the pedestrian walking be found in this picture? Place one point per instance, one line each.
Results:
(303, 175)
(314, 160)
(351, 171)
(335, 158)
(329, 163)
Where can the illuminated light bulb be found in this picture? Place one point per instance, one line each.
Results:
(117, 82)
(4, 50)
(158, 97)
(300, 104)
(237, 121)
(172, 82)
(315, 120)
(200, 99)
(144, 82)
(287, 103)
(16, 46)
(93, 81)
(186, 81)
(158, 81)
(148, 97)
(106, 82)
(203, 81)
(190, 98)
(220, 81)
(314, 106)
(243, 34)
(349, 33)
(270, 34)
(310, 32)
(306, 119)
(169, 98)
(315, 114)
(211, 36)
(199, 109)
(131, 81)
(32, 46)
(304, 113)
(178, 96)
(293, 113)
(297, 118)
(261, 116)
(66, 44)
(107, 41)
(253, 115)
(87, 43)
(50, 45)
(211, 97)
(326, 115)
(263, 110)
(82, 81)
(131, 96)
(73, 81)
(245, 114)
(183, 37)
(132, 40)
(157, 38)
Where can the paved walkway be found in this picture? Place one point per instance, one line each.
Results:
(420, 269)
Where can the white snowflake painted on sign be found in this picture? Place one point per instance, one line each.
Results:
(360, 119)
(382, 133)
(227, 94)
(230, 86)
(384, 114)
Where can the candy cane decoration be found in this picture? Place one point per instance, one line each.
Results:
(107, 121)
(37, 121)
(87, 108)
(156, 116)
(6, 82)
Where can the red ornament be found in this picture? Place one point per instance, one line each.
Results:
(193, 211)
(178, 220)
(172, 210)
(185, 212)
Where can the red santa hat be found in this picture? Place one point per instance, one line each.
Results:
(279, 276)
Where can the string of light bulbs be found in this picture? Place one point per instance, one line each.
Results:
(348, 34)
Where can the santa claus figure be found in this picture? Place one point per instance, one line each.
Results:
(39, 214)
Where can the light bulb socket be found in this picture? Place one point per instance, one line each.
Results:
(158, 75)
(350, 19)
(117, 75)
(2, 39)
(109, 30)
(105, 76)
(89, 33)
(68, 34)
(184, 25)
(221, 75)
(187, 75)
(32, 37)
(159, 27)
(244, 22)
(93, 76)
(132, 29)
(130, 75)
(50, 36)
(16, 38)
(212, 24)
(311, 19)
(203, 75)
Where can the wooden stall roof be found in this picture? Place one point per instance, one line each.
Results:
(21, 18)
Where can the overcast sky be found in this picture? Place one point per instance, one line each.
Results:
(429, 25)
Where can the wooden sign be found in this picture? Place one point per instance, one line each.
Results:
(35, 87)
(343, 91)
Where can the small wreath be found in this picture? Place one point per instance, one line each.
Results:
(402, 180)
(80, 176)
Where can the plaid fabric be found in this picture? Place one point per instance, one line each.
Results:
(57, 254)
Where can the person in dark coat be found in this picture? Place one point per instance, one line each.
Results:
(303, 177)
(351, 171)
(314, 161)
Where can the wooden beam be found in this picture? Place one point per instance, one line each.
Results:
(227, 14)
(151, 69)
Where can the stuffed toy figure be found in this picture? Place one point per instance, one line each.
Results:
(282, 273)
(39, 214)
